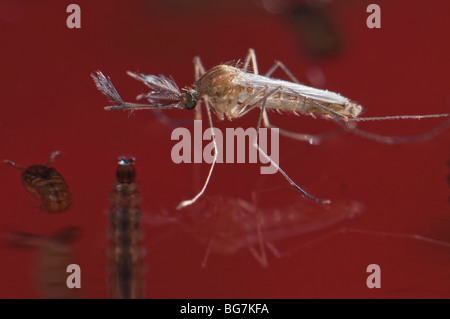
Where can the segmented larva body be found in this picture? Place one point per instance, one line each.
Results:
(49, 186)
(55, 253)
(126, 266)
(46, 184)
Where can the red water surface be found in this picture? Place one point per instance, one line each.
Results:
(49, 102)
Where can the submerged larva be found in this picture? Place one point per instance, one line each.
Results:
(55, 253)
(46, 184)
(126, 267)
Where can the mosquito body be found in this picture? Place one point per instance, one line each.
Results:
(231, 91)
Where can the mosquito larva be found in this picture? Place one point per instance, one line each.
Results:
(126, 266)
(232, 91)
(46, 184)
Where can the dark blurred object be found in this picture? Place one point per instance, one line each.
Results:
(126, 267)
(55, 253)
(320, 36)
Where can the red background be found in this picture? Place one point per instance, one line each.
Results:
(49, 102)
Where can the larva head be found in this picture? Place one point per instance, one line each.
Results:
(189, 100)
(126, 172)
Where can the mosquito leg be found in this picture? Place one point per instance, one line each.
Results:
(14, 164)
(399, 117)
(245, 106)
(256, 144)
(251, 57)
(279, 64)
(311, 242)
(399, 139)
(400, 236)
(261, 240)
(261, 256)
(274, 250)
(261, 259)
(210, 239)
(52, 157)
(191, 201)
(199, 70)
(207, 253)
(313, 139)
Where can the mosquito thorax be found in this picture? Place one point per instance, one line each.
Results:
(189, 100)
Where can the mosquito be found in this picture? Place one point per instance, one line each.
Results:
(231, 91)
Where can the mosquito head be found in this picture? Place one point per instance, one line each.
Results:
(189, 100)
